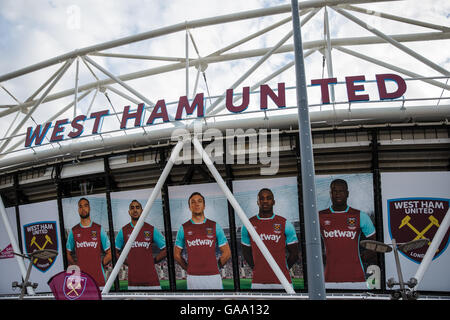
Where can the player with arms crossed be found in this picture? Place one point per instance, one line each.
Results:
(141, 263)
(278, 234)
(200, 236)
(341, 227)
(88, 239)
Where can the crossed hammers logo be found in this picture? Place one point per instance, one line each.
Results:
(73, 285)
(419, 234)
(47, 240)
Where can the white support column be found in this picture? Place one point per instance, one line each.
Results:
(15, 246)
(262, 247)
(428, 258)
(157, 189)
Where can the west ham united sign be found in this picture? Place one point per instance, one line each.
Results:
(417, 218)
(39, 236)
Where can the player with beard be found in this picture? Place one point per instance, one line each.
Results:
(141, 263)
(87, 240)
(279, 236)
(200, 236)
(341, 227)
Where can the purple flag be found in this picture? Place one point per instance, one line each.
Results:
(72, 286)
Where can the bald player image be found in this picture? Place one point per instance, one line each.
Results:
(142, 273)
(341, 227)
(200, 236)
(88, 241)
(279, 236)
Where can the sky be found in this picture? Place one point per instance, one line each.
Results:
(34, 31)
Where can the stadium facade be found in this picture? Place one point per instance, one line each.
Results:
(383, 127)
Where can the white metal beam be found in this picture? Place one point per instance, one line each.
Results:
(29, 113)
(118, 80)
(212, 110)
(254, 35)
(273, 75)
(56, 115)
(136, 56)
(30, 98)
(199, 68)
(180, 27)
(392, 41)
(234, 56)
(10, 94)
(92, 102)
(396, 18)
(392, 67)
(123, 95)
(75, 100)
(187, 61)
(328, 57)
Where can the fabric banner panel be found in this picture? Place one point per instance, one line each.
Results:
(414, 205)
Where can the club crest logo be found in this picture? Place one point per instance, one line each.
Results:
(277, 227)
(351, 223)
(209, 233)
(417, 218)
(39, 236)
(74, 286)
(94, 235)
(147, 235)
